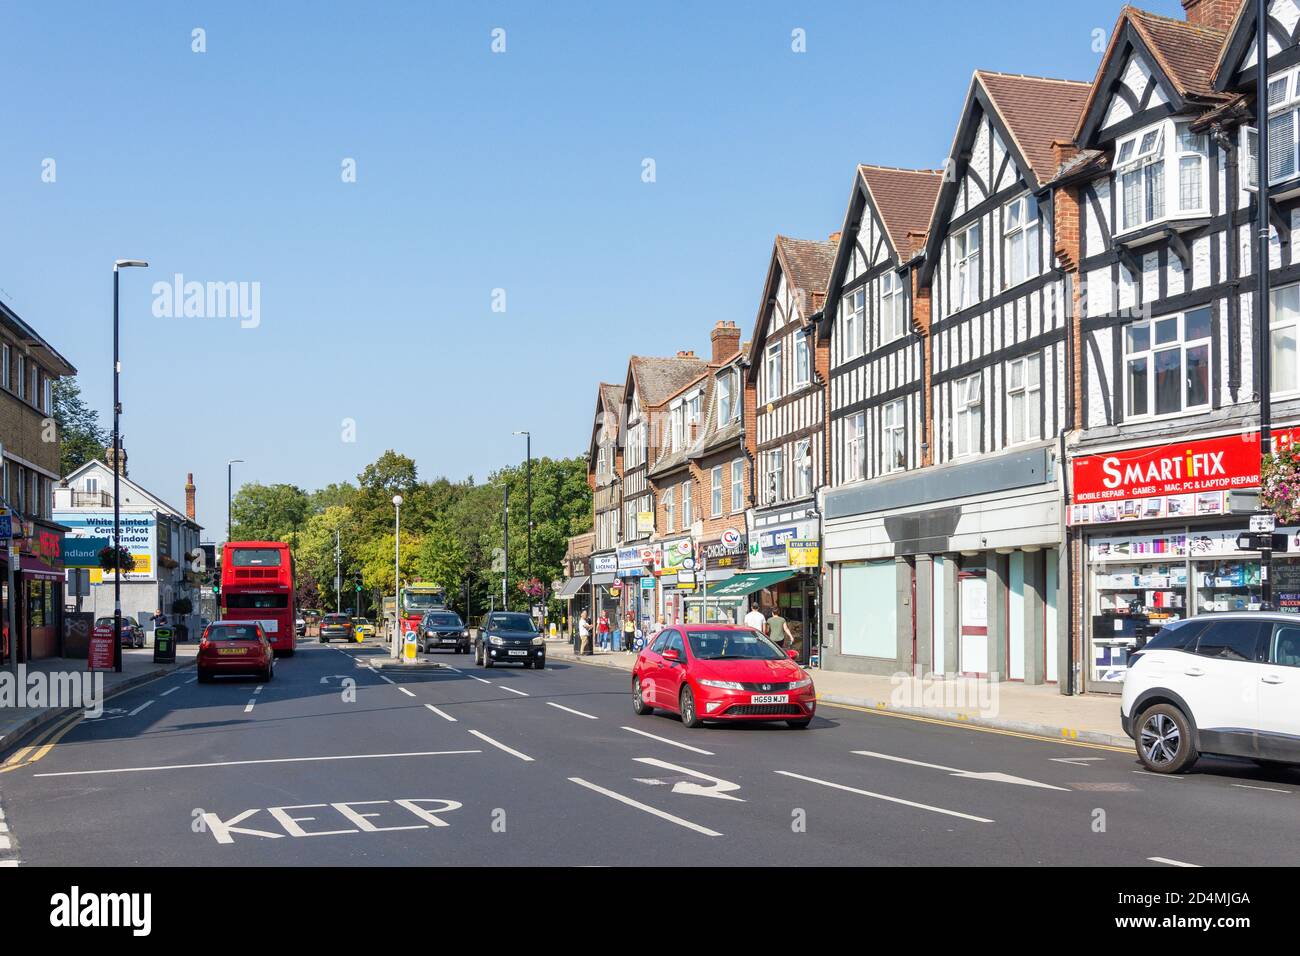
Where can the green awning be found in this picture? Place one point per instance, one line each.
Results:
(743, 584)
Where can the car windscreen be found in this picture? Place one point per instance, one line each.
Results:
(441, 620)
(510, 622)
(255, 558)
(422, 602)
(232, 632)
(732, 645)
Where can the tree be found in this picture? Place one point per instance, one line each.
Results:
(267, 512)
(81, 438)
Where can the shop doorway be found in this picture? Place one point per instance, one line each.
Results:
(973, 606)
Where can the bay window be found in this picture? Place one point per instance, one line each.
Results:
(1020, 243)
(1024, 389)
(1167, 364)
(855, 447)
(892, 431)
(1283, 126)
(1284, 317)
(893, 304)
(966, 259)
(853, 311)
(968, 415)
(1147, 195)
(772, 372)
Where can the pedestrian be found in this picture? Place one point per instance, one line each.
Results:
(602, 630)
(778, 631)
(629, 632)
(755, 618)
(584, 634)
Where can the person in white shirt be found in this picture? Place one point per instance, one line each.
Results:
(755, 619)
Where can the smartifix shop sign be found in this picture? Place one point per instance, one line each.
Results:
(1211, 464)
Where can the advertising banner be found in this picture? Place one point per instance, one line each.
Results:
(139, 538)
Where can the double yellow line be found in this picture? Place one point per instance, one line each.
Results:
(26, 756)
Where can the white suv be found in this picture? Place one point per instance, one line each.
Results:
(1221, 684)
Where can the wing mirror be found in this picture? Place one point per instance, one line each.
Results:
(671, 655)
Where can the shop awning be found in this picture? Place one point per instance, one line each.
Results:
(604, 580)
(743, 584)
(571, 587)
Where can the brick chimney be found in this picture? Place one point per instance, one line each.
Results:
(189, 496)
(726, 340)
(834, 237)
(686, 353)
(110, 459)
(1217, 14)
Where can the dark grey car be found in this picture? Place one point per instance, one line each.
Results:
(509, 637)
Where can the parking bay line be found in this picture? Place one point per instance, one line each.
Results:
(171, 690)
(244, 763)
(881, 796)
(665, 740)
(500, 746)
(653, 811)
(140, 708)
(551, 703)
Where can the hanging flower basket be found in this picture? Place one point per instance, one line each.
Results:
(1280, 484)
(113, 559)
(533, 588)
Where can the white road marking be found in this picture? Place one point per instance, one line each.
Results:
(1077, 761)
(512, 690)
(993, 776)
(500, 746)
(665, 740)
(881, 796)
(385, 677)
(1169, 862)
(1246, 786)
(479, 679)
(551, 703)
(653, 811)
(9, 862)
(191, 680)
(4, 843)
(243, 763)
(718, 787)
(140, 708)
(443, 714)
(258, 689)
(406, 692)
(251, 702)
(171, 691)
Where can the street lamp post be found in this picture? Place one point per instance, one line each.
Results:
(1260, 267)
(397, 572)
(505, 548)
(529, 446)
(230, 472)
(119, 265)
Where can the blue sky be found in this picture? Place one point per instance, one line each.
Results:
(475, 171)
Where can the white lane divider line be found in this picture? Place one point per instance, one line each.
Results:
(140, 708)
(1246, 786)
(251, 702)
(500, 746)
(441, 713)
(1169, 862)
(385, 677)
(993, 775)
(885, 797)
(258, 689)
(244, 763)
(551, 703)
(665, 740)
(645, 808)
(191, 680)
(479, 679)
(170, 691)
(406, 692)
(512, 690)
(1161, 776)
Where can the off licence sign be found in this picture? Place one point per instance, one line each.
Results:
(1225, 463)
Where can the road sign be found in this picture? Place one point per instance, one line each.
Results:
(6, 524)
(1263, 522)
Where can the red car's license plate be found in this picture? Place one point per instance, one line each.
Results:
(232, 650)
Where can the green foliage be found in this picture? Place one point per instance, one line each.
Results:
(449, 529)
(81, 438)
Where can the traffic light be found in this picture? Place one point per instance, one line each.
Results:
(358, 581)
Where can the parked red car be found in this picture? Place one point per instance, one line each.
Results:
(721, 672)
(235, 647)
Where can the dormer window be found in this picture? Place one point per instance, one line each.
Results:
(726, 390)
(1147, 194)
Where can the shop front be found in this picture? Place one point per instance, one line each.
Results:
(784, 554)
(603, 577)
(39, 579)
(1156, 529)
(634, 564)
(953, 569)
(721, 559)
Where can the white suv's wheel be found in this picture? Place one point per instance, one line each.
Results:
(1164, 740)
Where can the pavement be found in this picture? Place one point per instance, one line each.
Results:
(1040, 710)
(335, 762)
(19, 723)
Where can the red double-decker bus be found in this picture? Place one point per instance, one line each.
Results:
(257, 585)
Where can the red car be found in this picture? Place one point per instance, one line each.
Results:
(235, 647)
(721, 672)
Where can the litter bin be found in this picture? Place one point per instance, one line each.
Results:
(164, 646)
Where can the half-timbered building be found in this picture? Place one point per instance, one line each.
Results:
(604, 474)
(878, 426)
(787, 377)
